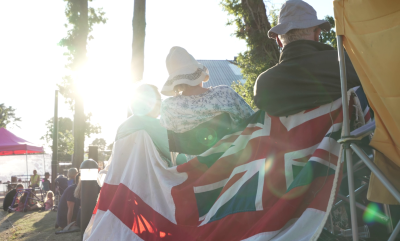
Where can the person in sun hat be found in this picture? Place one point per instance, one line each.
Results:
(192, 104)
(307, 74)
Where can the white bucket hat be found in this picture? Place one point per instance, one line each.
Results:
(297, 14)
(183, 69)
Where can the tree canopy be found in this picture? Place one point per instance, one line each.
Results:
(71, 43)
(65, 143)
(100, 143)
(329, 37)
(252, 25)
(81, 19)
(8, 117)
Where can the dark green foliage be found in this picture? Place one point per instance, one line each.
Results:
(65, 135)
(110, 147)
(65, 138)
(100, 143)
(329, 37)
(253, 25)
(7, 116)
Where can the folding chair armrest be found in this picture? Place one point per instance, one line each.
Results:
(359, 133)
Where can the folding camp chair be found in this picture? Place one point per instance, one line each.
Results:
(31, 196)
(349, 143)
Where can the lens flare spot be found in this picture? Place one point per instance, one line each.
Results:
(206, 136)
(373, 214)
(145, 100)
(268, 163)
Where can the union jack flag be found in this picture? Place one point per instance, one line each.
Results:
(275, 179)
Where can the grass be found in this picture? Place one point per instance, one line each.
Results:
(37, 225)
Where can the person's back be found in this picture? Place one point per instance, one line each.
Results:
(46, 182)
(8, 199)
(307, 75)
(62, 213)
(62, 183)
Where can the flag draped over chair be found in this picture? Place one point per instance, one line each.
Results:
(275, 179)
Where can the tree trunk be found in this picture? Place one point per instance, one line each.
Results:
(79, 117)
(139, 32)
(257, 26)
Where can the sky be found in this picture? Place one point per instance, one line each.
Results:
(32, 63)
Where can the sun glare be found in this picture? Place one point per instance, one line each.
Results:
(108, 93)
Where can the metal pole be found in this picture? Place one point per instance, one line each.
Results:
(44, 164)
(376, 171)
(346, 132)
(26, 161)
(356, 192)
(395, 232)
(386, 209)
(380, 216)
(343, 81)
(54, 157)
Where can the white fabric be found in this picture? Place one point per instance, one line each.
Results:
(296, 229)
(158, 177)
(116, 230)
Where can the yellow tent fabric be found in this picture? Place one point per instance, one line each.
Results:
(371, 32)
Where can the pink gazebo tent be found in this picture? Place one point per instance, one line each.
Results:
(11, 144)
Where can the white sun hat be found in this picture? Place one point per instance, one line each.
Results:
(183, 69)
(297, 14)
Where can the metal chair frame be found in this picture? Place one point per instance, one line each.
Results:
(348, 143)
(31, 196)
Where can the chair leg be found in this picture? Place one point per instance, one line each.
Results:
(386, 209)
(345, 133)
(352, 199)
(381, 217)
(376, 171)
(395, 232)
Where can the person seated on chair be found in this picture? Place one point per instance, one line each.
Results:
(35, 180)
(192, 104)
(27, 205)
(68, 206)
(307, 74)
(8, 199)
(46, 182)
(145, 108)
(72, 173)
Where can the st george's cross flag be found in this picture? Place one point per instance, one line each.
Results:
(275, 179)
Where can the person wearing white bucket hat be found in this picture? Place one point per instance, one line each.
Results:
(307, 74)
(183, 71)
(192, 104)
